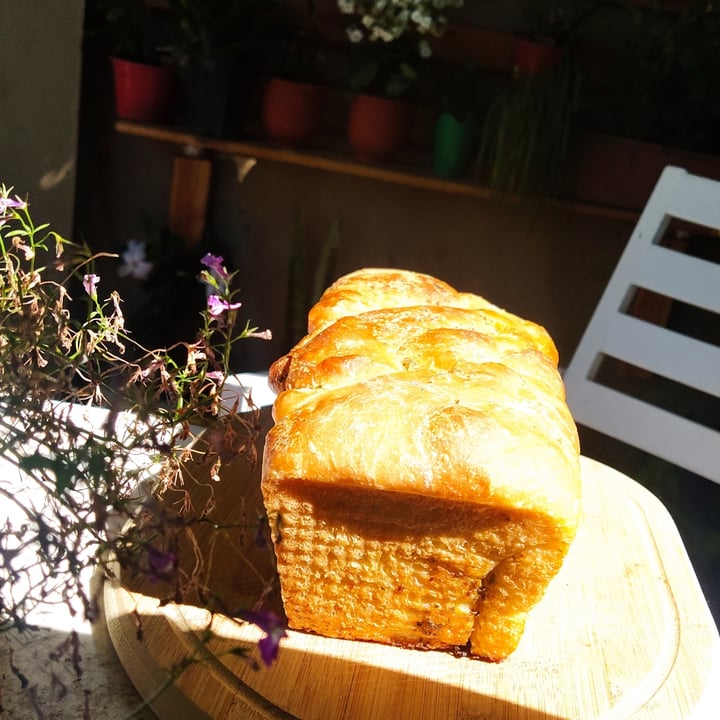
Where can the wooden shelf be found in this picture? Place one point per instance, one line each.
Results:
(335, 161)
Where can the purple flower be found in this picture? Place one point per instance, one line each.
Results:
(216, 265)
(160, 564)
(217, 306)
(274, 631)
(8, 202)
(90, 283)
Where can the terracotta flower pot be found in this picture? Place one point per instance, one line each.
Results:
(531, 58)
(143, 92)
(378, 127)
(292, 112)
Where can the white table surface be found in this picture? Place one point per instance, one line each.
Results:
(50, 688)
(38, 679)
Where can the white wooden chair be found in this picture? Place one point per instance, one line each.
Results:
(657, 350)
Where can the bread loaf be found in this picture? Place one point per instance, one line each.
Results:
(422, 475)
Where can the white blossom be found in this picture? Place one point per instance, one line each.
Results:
(387, 21)
(134, 261)
(355, 34)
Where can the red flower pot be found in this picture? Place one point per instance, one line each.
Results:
(292, 112)
(378, 127)
(531, 58)
(143, 92)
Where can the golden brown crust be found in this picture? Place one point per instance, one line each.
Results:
(448, 403)
(374, 288)
(402, 339)
(490, 437)
(363, 317)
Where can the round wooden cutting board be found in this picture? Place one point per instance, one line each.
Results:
(622, 632)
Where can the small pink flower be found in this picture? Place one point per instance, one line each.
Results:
(217, 306)
(90, 283)
(8, 202)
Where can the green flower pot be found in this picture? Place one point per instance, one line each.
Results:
(455, 145)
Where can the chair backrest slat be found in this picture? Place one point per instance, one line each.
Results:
(683, 359)
(693, 363)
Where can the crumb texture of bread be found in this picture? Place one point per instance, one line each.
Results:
(422, 475)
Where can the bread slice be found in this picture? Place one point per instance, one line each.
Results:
(422, 475)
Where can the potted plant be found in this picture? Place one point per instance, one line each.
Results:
(133, 34)
(527, 129)
(388, 43)
(380, 117)
(375, 20)
(662, 85)
(656, 107)
(549, 27)
(217, 47)
(457, 128)
(296, 92)
(99, 428)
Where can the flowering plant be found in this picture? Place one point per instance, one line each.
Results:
(385, 69)
(387, 21)
(391, 40)
(86, 423)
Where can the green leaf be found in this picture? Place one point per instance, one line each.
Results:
(64, 474)
(36, 462)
